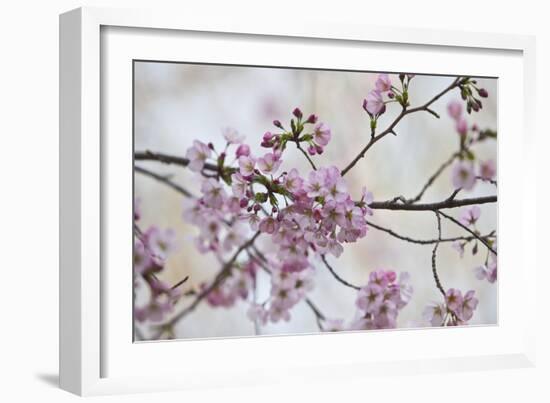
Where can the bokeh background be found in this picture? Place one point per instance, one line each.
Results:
(177, 103)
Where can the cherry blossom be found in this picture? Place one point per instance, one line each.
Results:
(463, 176)
(197, 155)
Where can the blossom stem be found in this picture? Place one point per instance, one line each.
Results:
(306, 155)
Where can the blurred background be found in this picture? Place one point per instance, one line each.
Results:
(177, 103)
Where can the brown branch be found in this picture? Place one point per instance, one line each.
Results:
(449, 203)
(483, 241)
(168, 159)
(336, 276)
(391, 127)
(434, 256)
(423, 241)
(164, 180)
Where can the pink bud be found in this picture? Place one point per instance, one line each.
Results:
(243, 151)
(311, 119)
(297, 112)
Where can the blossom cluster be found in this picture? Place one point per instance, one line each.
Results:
(151, 249)
(288, 288)
(457, 310)
(464, 172)
(378, 303)
(303, 216)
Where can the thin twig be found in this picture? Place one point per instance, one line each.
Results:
(432, 178)
(164, 180)
(422, 241)
(434, 256)
(483, 241)
(299, 147)
(390, 128)
(336, 276)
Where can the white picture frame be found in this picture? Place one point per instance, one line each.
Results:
(92, 360)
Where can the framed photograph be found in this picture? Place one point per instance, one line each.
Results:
(245, 201)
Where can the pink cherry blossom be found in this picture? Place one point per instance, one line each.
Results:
(454, 299)
(292, 181)
(463, 176)
(197, 155)
(257, 313)
(383, 83)
(469, 304)
(246, 165)
(369, 298)
(242, 151)
(462, 126)
(321, 134)
(469, 216)
(239, 184)
(374, 104)
(487, 272)
(160, 243)
(435, 314)
(269, 225)
(142, 258)
(487, 169)
(269, 164)
(213, 193)
(232, 136)
(455, 109)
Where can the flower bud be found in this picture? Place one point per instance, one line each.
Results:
(483, 93)
(311, 150)
(391, 95)
(243, 151)
(278, 124)
(297, 112)
(243, 202)
(319, 149)
(312, 119)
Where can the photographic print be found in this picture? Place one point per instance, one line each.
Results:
(282, 201)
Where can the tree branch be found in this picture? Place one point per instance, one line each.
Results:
(164, 180)
(390, 128)
(434, 256)
(168, 159)
(449, 203)
(336, 276)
